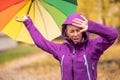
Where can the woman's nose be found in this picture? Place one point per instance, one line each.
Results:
(75, 33)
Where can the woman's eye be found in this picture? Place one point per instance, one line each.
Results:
(78, 30)
(71, 31)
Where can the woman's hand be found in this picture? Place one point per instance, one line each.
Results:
(83, 24)
(24, 18)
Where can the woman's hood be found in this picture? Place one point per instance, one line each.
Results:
(69, 21)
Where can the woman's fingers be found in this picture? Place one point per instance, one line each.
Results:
(83, 30)
(17, 19)
(83, 24)
(84, 18)
(77, 20)
(24, 18)
(82, 27)
(78, 25)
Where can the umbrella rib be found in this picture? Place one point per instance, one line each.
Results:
(42, 18)
(72, 1)
(30, 6)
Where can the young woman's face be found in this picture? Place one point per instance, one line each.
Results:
(74, 33)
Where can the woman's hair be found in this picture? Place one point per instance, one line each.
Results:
(65, 30)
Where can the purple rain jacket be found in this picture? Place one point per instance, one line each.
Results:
(78, 62)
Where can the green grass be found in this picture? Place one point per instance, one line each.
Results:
(20, 51)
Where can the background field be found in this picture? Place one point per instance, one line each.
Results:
(39, 65)
(27, 62)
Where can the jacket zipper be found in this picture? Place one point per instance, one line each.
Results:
(87, 66)
(93, 67)
(74, 51)
(93, 71)
(62, 65)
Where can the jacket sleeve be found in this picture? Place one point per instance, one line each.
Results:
(39, 40)
(107, 36)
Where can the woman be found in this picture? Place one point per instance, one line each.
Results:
(78, 56)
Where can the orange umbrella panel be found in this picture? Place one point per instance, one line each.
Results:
(9, 12)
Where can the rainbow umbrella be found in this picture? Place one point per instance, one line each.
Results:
(47, 16)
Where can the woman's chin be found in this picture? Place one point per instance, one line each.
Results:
(75, 42)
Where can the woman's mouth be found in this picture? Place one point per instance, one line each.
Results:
(76, 39)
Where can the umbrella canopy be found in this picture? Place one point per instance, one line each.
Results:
(47, 15)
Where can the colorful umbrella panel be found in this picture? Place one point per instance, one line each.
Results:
(47, 16)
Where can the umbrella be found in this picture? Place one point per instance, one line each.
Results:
(47, 15)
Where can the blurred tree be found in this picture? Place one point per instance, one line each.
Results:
(94, 9)
(103, 11)
(87, 8)
(115, 18)
(119, 34)
(105, 4)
